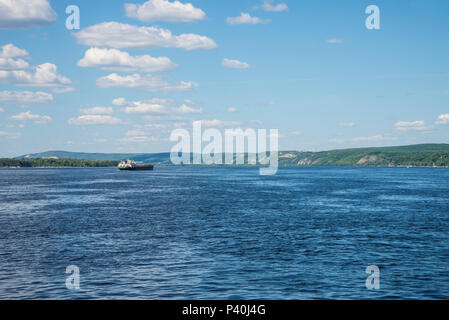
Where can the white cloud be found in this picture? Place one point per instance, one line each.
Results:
(147, 82)
(411, 126)
(11, 51)
(93, 120)
(185, 109)
(12, 64)
(25, 14)
(145, 108)
(155, 106)
(443, 119)
(2, 110)
(163, 10)
(136, 136)
(97, 110)
(120, 35)
(374, 138)
(234, 64)
(115, 60)
(232, 109)
(334, 41)
(120, 102)
(45, 75)
(152, 126)
(162, 118)
(35, 118)
(7, 53)
(25, 97)
(347, 124)
(219, 123)
(296, 133)
(9, 135)
(245, 18)
(267, 6)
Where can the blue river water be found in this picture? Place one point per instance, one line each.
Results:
(224, 233)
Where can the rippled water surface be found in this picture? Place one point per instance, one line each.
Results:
(224, 233)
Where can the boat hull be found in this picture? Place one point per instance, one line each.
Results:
(146, 167)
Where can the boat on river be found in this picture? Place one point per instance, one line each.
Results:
(131, 165)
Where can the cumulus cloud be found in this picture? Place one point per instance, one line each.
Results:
(116, 60)
(97, 110)
(25, 97)
(411, 126)
(7, 54)
(35, 118)
(163, 10)
(11, 51)
(234, 64)
(136, 136)
(154, 106)
(25, 14)
(185, 109)
(169, 117)
(93, 119)
(12, 64)
(245, 18)
(45, 75)
(268, 6)
(219, 123)
(120, 36)
(232, 109)
(145, 108)
(443, 119)
(147, 82)
(120, 102)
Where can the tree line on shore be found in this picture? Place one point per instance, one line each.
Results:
(54, 163)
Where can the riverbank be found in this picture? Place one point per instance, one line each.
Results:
(55, 163)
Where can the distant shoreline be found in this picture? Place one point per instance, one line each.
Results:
(231, 166)
(421, 155)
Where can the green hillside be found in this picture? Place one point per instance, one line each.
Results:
(412, 155)
(139, 157)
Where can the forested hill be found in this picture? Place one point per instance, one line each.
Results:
(412, 155)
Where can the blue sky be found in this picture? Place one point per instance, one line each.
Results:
(308, 68)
